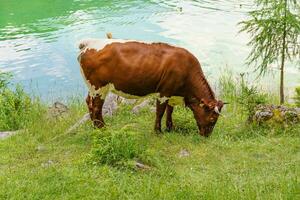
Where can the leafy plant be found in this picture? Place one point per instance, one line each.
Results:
(117, 148)
(250, 96)
(297, 96)
(275, 34)
(240, 91)
(15, 105)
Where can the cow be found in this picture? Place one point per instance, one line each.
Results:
(136, 69)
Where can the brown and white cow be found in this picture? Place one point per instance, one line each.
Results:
(136, 69)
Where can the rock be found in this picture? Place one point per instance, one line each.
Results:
(47, 164)
(77, 124)
(6, 134)
(184, 153)
(153, 109)
(141, 165)
(57, 110)
(127, 101)
(110, 104)
(41, 148)
(136, 109)
(275, 114)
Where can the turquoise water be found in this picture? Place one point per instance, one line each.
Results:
(38, 38)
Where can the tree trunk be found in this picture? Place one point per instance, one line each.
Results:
(282, 82)
(283, 57)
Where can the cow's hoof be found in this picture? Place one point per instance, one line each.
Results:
(158, 130)
(169, 127)
(98, 124)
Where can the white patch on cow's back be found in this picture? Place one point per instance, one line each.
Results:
(99, 44)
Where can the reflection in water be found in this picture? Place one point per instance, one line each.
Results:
(38, 38)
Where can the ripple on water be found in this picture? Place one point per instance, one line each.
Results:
(40, 45)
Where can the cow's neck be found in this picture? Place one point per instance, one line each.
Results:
(201, 88)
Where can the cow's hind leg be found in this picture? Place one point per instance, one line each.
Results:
(169, 122)
(96, 115)
(160, 109)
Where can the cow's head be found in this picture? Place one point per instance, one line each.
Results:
(94, 106)
(206, 113)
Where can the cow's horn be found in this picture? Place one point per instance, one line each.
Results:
(216, 109)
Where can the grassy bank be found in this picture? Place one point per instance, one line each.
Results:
(238, 161)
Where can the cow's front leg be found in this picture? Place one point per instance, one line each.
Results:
(160, 109)
(169, 121)
(96, 111)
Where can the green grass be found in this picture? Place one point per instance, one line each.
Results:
(238, 161)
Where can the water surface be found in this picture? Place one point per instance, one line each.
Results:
(38, 39)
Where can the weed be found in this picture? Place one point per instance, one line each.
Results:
(117, 147)
(15, 105)
(297, 96)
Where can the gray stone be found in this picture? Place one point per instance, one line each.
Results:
(136, 109)
(41, 148)
(110, 105)
(47, 164)
(126, 101)
(85, 118)
(153, 109)
(274, 113)
(184, 153)
(6, 134)
(141, 165)
(57, 110)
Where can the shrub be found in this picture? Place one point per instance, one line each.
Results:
(15, 105)
(250, 97)
(240, 91)
(297, 96)
(117, 148)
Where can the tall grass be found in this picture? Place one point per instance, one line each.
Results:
(15, 105)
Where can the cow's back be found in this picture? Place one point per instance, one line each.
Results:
(138, 68)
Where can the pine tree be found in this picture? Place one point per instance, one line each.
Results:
(274, 28)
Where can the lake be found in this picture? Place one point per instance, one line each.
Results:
(39, 38)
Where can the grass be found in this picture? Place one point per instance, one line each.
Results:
(239, 161)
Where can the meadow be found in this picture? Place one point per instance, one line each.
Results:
(240, 160)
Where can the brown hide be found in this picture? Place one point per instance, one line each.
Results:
(139, 69)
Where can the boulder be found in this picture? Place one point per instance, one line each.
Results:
(6, 134)
(110, 104)
(275, 114)
(136, 109)
(184, 153)
(57, 110)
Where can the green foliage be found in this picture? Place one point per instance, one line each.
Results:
(4, 80)
(250, 96)
(275, 32)
(242, 92)
(15, 105)
(117, 147)
(297, 96)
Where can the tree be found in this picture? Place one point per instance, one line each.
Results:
(274, 29)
